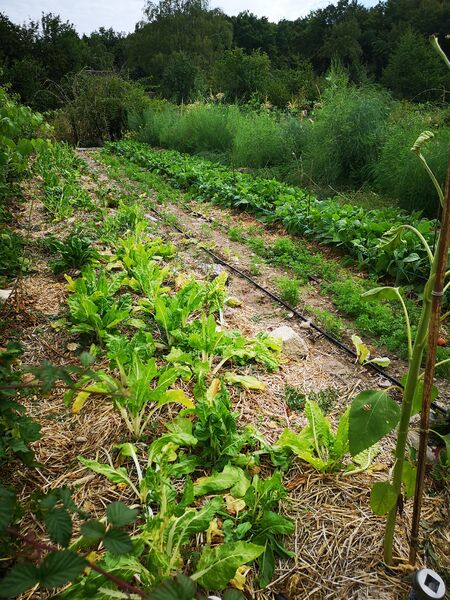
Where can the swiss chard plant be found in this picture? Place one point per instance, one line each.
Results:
(93, 307)
(317, 445)
(137, 393)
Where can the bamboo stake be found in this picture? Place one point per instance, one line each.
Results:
(437, 293)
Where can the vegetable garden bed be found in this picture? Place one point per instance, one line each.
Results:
(156, 308)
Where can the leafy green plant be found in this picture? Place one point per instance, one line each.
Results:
(75, 252)
(12, 260)
(140, 384)
(289, 290)
(321, 448)
(92, 306)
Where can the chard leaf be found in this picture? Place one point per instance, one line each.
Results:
(362, 351)
(217, 566)
(340, 446)
(190, 522)
(246, 381)
(116, 475)
(232, 478)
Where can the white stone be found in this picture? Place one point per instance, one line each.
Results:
(293, 345)
(4, 295)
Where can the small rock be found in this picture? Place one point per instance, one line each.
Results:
(293, 345)
(4, 295)
(414, 441)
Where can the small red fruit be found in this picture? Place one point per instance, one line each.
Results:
(440, 341)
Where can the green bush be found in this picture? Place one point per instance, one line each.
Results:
(97, 107)
(399, 173)
(348, 131)
(258, 140)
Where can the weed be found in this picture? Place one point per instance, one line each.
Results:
(255, 266)
(75, 252)
(235, 234)
(289, 290)
(330, 322)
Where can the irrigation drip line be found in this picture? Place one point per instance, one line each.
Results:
(296, 313)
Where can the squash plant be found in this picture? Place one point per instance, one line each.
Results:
(373, 414)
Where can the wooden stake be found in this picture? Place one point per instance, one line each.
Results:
(437, 293)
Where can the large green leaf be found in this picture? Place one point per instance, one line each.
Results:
(20, 578)
(217, 566)
(382, 293)
(382, 497)
(116, 475)
(117, 541)
(373, 414)
(180, 588)
(301, 444)
(191, 521)
(266, 564)
(232, 478)
(58, 568)
(93, 530)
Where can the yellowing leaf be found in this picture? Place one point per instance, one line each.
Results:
(213, 390)
(70, 283)
(239, 578)
(248, 382)
(362, 351)
(180, 397)
(234, 505)
(79, 401)
(214, 533)
(233, 302)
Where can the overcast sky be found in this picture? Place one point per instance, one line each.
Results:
(122, 15)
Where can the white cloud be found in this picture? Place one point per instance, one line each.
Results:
(122, 15)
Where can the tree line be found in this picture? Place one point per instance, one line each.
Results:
(183, 50)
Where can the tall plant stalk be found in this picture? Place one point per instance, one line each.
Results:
(415, 360)
(407, 403)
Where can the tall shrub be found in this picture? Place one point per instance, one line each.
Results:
(397, 172)
(348, 131)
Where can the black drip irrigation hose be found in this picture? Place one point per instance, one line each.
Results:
(296, 313)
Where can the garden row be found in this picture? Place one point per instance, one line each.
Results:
(156, 333)
(354, 230)
(381, 323)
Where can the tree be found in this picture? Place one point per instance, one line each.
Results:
(178, 78)
(414, 71)
(239, 75)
